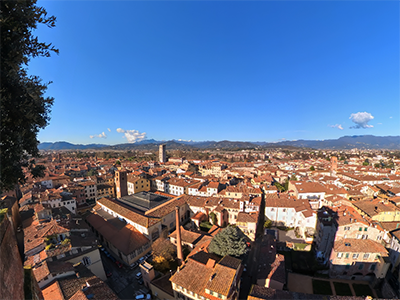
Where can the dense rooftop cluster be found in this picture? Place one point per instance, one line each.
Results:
(344, 208)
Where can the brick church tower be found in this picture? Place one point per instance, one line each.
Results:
(333, 165)
(121, 183)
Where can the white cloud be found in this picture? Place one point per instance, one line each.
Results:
(132, 135)
(338, 126)
(390, 117)
(361, 120)
(181, 140)
(101, 135)
(109, 129)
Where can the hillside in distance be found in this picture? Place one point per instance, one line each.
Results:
(348, 142)
(343, 143)
(68, 146)
(151, 145)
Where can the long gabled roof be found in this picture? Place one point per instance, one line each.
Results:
(127, 213)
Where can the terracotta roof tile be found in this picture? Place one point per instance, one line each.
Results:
(126, 239)
(166, 208)
(246, 218)
(126, 213)
(188, 236)
(359, 246)
(373, 207)
(53, 292)
(189, 279)
(73, 286)
(221, 279)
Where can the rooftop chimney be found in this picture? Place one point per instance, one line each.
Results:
(210, 263)
(178, 236)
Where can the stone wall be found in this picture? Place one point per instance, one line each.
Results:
(11, 269)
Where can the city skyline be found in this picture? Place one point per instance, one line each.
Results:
(258, 71)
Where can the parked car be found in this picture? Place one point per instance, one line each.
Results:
(118, 263)
(140, 281)
(108, 273)
(138, 275)
(134, 265)
(139, 297)
(112, 259)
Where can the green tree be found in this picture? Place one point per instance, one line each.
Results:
(163, 248)
(92, 172)
(193, 168)
(390, 164)
(214, 218)
(312, 168)
(230, 241)
(279, 186)
(383, 165)
(267, 223)
(366, 162)
(286, 185)
(24, 108)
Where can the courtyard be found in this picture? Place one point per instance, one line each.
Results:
(331, 287)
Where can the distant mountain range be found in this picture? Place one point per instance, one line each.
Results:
(68, 146)
(345, 142)
(350, 142)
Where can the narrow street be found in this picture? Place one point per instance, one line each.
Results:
(250, 276)
(123, 280)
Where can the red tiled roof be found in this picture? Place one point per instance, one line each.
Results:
(126, 213)
(198, 216)
(127, 239)
(53, 292)
(246, 218)
(166, 208)
(359, 246)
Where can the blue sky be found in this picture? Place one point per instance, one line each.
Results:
(216, 70)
